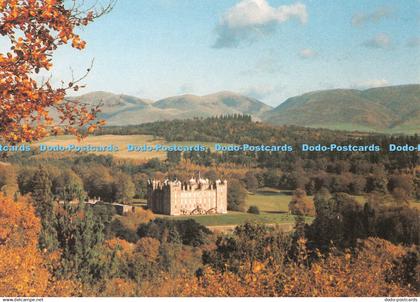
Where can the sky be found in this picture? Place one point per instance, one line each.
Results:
(267, 49)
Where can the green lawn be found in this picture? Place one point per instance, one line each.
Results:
(269, 200)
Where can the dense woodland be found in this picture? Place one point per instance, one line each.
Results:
(349, 248)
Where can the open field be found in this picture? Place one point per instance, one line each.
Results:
(117, 140)
(269, 200)
(121, 141)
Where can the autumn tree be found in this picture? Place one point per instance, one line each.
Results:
(8, 180)
(98, 181)
(124, 188)
(372, 270)
(401, 187)
(23, 269)
(301, 204)
(68, 186)
(33, 31)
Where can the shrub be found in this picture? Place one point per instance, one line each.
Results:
(254, 210)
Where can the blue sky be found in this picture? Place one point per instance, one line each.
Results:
(268, 49)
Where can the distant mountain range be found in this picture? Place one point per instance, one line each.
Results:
(129, 110)
(384, 109)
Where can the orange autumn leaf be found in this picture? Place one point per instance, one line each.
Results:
(33, 30)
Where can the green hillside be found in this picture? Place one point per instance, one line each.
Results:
(385, 109)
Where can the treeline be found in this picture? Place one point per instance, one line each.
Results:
(237, 129)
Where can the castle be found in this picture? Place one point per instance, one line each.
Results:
(196, 197)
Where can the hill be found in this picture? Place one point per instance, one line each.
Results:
(385, 109)
(129, 110)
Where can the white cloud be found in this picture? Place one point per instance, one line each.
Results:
(371, 84)
(379, 41)
(360, 19)
(307, 53)
(249, 20)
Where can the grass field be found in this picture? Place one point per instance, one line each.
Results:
(118, 140)
(269, 200)
(121, 141)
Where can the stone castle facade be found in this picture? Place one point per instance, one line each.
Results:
(196, 197)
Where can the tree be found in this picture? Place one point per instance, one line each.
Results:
(68, 186)
(253, 210)
(301, 204)
(8, 181)
(140, 183)
(339, 219)
(371, 270)
(148, 247)
(25, 177)
(104, 213)
(251, 182)
(80, 235)
(272, 178)
(236, 196)
(22, 268)
(98, 181)
(377, 181)
(43, 200)
(34, 30)
(124, 188)
(188, 232)
(249, 243)
(401, 187)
